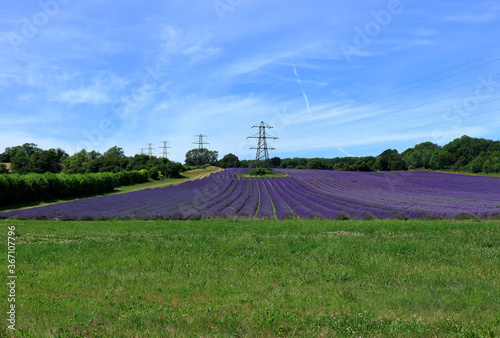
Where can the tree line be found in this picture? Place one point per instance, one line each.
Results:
(33, 187)
(464, 154)
(28, 158)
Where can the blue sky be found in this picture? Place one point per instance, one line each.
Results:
(334, 78)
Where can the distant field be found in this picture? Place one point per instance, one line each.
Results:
(257, 278)
(302, 193)
(186, 176)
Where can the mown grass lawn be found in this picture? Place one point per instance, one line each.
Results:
(256, 278)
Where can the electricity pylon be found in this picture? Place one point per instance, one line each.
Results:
(200, 141)
(150, 149)
(164, 147)
(262, 153)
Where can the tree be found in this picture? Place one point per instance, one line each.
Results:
(3, 169)
(317, 163)
(198, 157)
(229, 161)
(113, 151)
(44, 161)
(421, 155)
(5, 156)
(154, 173)
(476, 165)
(75, 164)
(275, 162)
(360, 166)
(396, 162)
(382, 161)
(441, 159)
(381, 164)
(93, 155)
(113, 160)
(30, 148)
(492, 164)
(20, 161)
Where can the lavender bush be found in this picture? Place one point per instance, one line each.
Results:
(304, 194)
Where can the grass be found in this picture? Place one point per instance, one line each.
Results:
(268, 175)
(186, 176)
(256, 278)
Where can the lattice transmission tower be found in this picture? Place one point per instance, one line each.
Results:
(164, 149)
(200, 142)
(262, 153)
(150, 149)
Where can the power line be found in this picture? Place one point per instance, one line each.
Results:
(422, 85)
(399, 110)
(262, 153)
(432, 75)
(421, 126)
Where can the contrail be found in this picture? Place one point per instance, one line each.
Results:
(301, 88)
(345, 152)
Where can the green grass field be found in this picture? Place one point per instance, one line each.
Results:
(248, 278)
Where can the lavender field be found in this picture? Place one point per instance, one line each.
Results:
(304, 194)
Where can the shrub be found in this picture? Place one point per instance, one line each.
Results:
(154, 173)
(464, 216)
(343, 217)
(261, 172)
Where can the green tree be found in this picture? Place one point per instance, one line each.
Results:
(44, 161)
(492, 164)
(360, 166)
(441, 159)
(5, 156)
(275, 162)
(317, 163)
(20, 161)
(381, 164)
(3, 169)
(396, 162)
(113, 160)
(421, 155)
(476, 165)
(30, 148)
(154, 173)
(75, 164)
(198, 157)
(230, 161)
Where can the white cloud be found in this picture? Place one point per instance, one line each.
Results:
(472, 18)
(100, 92)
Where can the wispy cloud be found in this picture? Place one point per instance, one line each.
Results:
(472, 19)
(301, 88)
(100, 92)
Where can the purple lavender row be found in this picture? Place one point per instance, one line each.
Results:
(281, 207)
(265, 204)
(296, 205)
(339, 204)
(239, 201)
(225, 199)
(252, 202)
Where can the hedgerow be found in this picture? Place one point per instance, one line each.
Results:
(16, 188)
